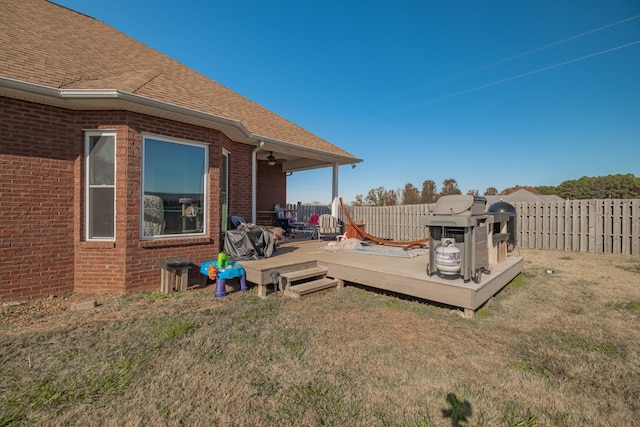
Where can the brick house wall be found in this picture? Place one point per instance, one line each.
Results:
(37, 200)
(271, 187)
(42, 246)
(239, 171)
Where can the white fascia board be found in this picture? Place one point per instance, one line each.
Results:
(66, 98)
(329, 158)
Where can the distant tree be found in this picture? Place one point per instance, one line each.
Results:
(510, 190)
(375, 197)
(410, 195)
(429, 193)
(601, 187)
(449, 187)
(547, 190)
(359, 201)
(491, 191)
(623, 186)
(472, 192)
(391, 198)
(381, 197)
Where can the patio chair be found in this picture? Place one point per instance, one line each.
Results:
(313, 221)
(284, 218)
(309, 229)
(236, 221)
(328, 226)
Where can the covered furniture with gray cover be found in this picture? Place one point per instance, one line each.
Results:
(249, 241)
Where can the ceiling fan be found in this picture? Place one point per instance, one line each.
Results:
(271, 160)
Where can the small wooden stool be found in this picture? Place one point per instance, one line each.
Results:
(174, 274)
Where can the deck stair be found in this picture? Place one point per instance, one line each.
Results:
(295, 284)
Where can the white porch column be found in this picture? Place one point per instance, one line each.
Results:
(254, 172)
(334, 192)
(334, 188)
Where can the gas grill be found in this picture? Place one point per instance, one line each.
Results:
(458, 237)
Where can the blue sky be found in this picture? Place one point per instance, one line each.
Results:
(491, 94)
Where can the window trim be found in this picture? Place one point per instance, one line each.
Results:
(205, 178)
(88, 133)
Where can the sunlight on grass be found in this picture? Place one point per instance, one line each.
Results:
(582, 283)
(604, 348)
(515, 416)
(104, 375)
(395, 305)
(483, 313)
(633, 268)
(295, 342)
(633, 306)
(321, 403)
(52, 392)
(539, 371)
(171, 329)
(353, 357)
(155, 295)
(517, 281)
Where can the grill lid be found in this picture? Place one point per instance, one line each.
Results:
(459, 204)
(502, 206)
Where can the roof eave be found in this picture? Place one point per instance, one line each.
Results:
(114, 99)
(309, 158)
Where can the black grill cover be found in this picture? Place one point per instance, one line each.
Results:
(249, 241)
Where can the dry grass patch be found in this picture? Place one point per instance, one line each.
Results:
(551, 349)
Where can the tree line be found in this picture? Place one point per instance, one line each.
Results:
(621, 186)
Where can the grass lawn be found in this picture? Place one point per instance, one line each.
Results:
(551, 349)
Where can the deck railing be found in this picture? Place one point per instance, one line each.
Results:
(596, 226)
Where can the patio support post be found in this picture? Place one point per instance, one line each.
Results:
(254, 173)
(334, 191)
(334, 188)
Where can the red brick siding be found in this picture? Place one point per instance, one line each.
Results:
(42, 246)
(271, 186)
(239, 172)
(37, 157)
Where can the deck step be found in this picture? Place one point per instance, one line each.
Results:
(287, 279)
(296, 291)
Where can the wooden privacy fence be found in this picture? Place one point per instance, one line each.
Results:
(304, 212)
(610, 226)
(597, 226)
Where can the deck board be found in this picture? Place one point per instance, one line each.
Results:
(406, 276)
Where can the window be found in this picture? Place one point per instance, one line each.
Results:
(174, 176)
(100, 168)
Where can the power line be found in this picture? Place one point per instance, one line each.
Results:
(528, 73)
(442, 98)
(529, 52)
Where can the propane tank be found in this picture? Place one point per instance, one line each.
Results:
(448, 257)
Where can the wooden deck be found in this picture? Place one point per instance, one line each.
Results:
(406, 276)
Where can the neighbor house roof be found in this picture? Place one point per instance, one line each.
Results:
(53, 55)
(522, 195)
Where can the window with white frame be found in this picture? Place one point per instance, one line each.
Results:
(174, 177)
(100, 185)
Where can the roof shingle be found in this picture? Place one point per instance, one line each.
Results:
(50, 45)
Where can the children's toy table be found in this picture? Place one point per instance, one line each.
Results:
(229, 271)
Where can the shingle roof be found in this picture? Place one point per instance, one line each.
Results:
(50, 45)
(522, 195)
